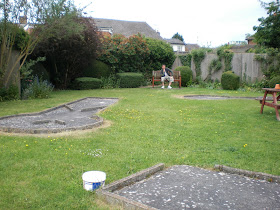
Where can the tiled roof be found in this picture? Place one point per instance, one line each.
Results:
(127, 28)
(191, 47)
(175, 41)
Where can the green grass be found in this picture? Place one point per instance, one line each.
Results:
(149, 126)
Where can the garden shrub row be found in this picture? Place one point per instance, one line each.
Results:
(97, 69)
(130, 80)
(86, 83)
(125, 80)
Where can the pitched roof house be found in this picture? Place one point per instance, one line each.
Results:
(177, 44)
(126, 28)
(250, 40)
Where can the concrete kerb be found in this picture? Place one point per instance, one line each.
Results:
(251, 174)
(108, 195)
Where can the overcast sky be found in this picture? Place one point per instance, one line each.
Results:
(206, 22)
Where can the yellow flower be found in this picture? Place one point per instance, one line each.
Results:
(26, 145)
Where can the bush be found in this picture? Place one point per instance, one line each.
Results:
(125, 54)
(86, 83)
(38, 88)
(186, 75)
(97, 69)
(110, 82)
(274, 81)
(130, 80)
(230, 81)
(10, 93)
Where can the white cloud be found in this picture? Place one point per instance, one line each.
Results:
(216, 21)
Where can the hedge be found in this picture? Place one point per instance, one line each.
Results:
(86, 83)
(186, 75)
(230, 81)
(97, 69)
(130, 80)
(274, 81)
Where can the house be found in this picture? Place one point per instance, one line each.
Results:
(25, 25)
(177, 45)
(250, 40)
(126, 28)
(190, 47)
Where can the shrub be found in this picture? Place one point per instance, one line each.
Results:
(125, 54)
(10, 93)
(230, 81)
(186, 75)
(110, 82)
(130, 80)
(86, 83)
(97, 69)
(38, 88)
(274, 81)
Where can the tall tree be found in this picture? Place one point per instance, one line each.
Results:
(66, 52)
(37, 12)
(268, 32)
(178, 36)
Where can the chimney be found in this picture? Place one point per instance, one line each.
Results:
(23, 19)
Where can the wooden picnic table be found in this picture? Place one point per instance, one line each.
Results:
(274, 103)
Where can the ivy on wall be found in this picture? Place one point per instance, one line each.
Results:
(215, 66)
(225, 56)
(186, 60)
(198, 56)
(270, 62)
(224, 53)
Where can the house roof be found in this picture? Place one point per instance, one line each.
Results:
(127, 28)
(250, 38)
(191, 47)
(175, 41)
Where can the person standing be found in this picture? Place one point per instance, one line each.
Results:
(166, 74)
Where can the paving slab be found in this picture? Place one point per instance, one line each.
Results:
(184, 187)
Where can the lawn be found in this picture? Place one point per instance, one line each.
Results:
(148, 126)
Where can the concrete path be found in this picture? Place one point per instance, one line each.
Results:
(183, 187)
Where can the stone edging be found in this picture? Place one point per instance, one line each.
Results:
(107, 192)
(251, 174)
(54, 130)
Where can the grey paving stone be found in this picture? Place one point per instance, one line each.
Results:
(183, 187)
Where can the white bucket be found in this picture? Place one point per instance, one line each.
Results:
(92, 180)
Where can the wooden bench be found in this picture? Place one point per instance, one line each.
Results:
(157, 77)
